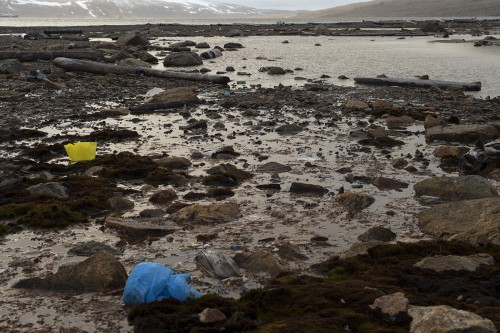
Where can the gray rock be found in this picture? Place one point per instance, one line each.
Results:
(473, 221)
(274, 70)
(301, 188)
(273, 167)
(90, 248)
(120, 204)
(133, 38)
(209, 316)
(99, 273)
(259, 261)
(202, 45)
(232, 45)
(217, 264)
(354, 201)
(289, 129)
(445, 319)
(462, 133)
(138, 231)
(52, 189)
(453, 189)
(173, 162)
(455, 263)
(377, 233)
(182, 59)
(392, 304)
(208, 214)
(163, 197)
(215, 53)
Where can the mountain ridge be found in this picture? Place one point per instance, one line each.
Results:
(125, 8)
(410, 8)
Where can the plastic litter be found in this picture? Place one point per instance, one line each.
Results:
(81, 151)
(149, 282)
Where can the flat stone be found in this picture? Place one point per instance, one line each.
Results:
(273, 167)
(462, 133)
(455, 188)
(399, 122)
(450, 151)
(355, 105)
(173, 162)
(301, 188)
(445, 319)
(136, 230)
(99, 273)
(92, 247)
(392, 304)
(455, 263)
(52, 189)
(208, 214)
(354, 201)
(384, 183)
(472, 221)
(289, 129)
(178, 94)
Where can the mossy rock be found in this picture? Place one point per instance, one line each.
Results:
(51, 216)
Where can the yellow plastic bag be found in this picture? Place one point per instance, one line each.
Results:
(81, 151)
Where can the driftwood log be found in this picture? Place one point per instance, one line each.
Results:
(50, 55)
(145, 108)
(453, 85)
(100, 68)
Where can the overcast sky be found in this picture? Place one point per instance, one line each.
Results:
(291, 4)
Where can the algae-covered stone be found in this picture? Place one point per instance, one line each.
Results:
(456, 188)
(208, 214)
(163, 197)
(52, 189)
(445, 319)
(101, 272)
(377, 233)
(455, 263)
(473, 221)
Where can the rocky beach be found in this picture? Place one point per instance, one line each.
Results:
(317, 207)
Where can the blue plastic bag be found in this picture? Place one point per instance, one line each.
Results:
(150, 281)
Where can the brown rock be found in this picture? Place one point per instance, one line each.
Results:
(208, 214)
(392, 304)
(433, 121)
(259, 261)
(163, 197)
(209, 316)
(179, 94)
(354, 201)
(355, 105)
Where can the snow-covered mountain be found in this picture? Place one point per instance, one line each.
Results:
(125, 8)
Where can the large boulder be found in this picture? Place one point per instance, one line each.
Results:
(455, 188)
(182, 59)
(99, 273)
(462, 133)
(473, 221)
(133, 38)
(208, 214)
(445, 319)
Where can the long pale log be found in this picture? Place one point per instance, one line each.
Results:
(49, 55)
(467, 86)
(101, 68)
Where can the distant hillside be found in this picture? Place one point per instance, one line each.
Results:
(411, 8)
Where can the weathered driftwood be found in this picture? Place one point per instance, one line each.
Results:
(467, 86)
(63, 31)
(101, 68)
(49, 55)
(158, 106)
